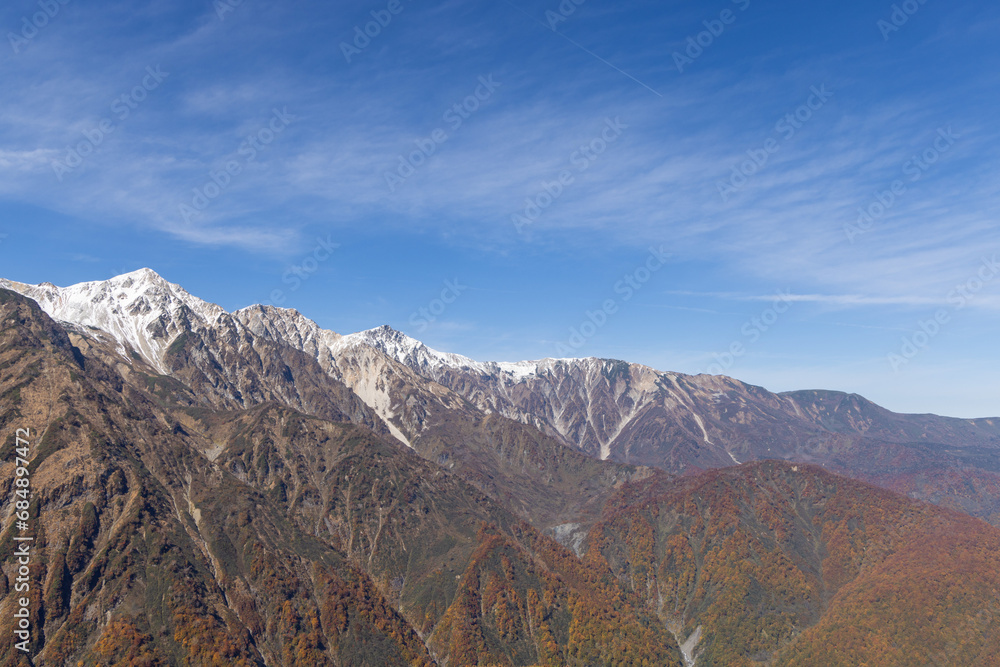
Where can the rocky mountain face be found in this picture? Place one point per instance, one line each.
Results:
(168, 532)
(249, 488)
(683, 424)
(558, 488)
(208, 358)
(133, 559)
(604, 409)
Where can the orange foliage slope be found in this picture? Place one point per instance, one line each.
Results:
(525, 600)
(790, 565)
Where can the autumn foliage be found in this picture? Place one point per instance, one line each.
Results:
(525, 600)
(789, 565)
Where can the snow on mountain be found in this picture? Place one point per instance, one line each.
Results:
(608, 409)
(145, 315)
(143, 312)
(378, 364)
(404, 349)
(362, 367)
(586, 403)
(430, 362)
(291, 327)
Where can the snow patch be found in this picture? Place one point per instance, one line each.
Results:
(520, 370)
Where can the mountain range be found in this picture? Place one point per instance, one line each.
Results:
(215, 487)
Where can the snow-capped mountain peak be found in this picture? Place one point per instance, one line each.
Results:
(406, 350)
(140, 310)
(145, 313)
(431, 363)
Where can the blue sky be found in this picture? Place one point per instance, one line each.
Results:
(242, 150)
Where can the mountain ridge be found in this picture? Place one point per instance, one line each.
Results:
(605, 409)
(59, 303)
(261, 353)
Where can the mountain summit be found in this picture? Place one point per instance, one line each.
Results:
(427, 361)
(140, 310)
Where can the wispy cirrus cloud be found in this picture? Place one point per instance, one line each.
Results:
(660, 182)
(847, 300)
